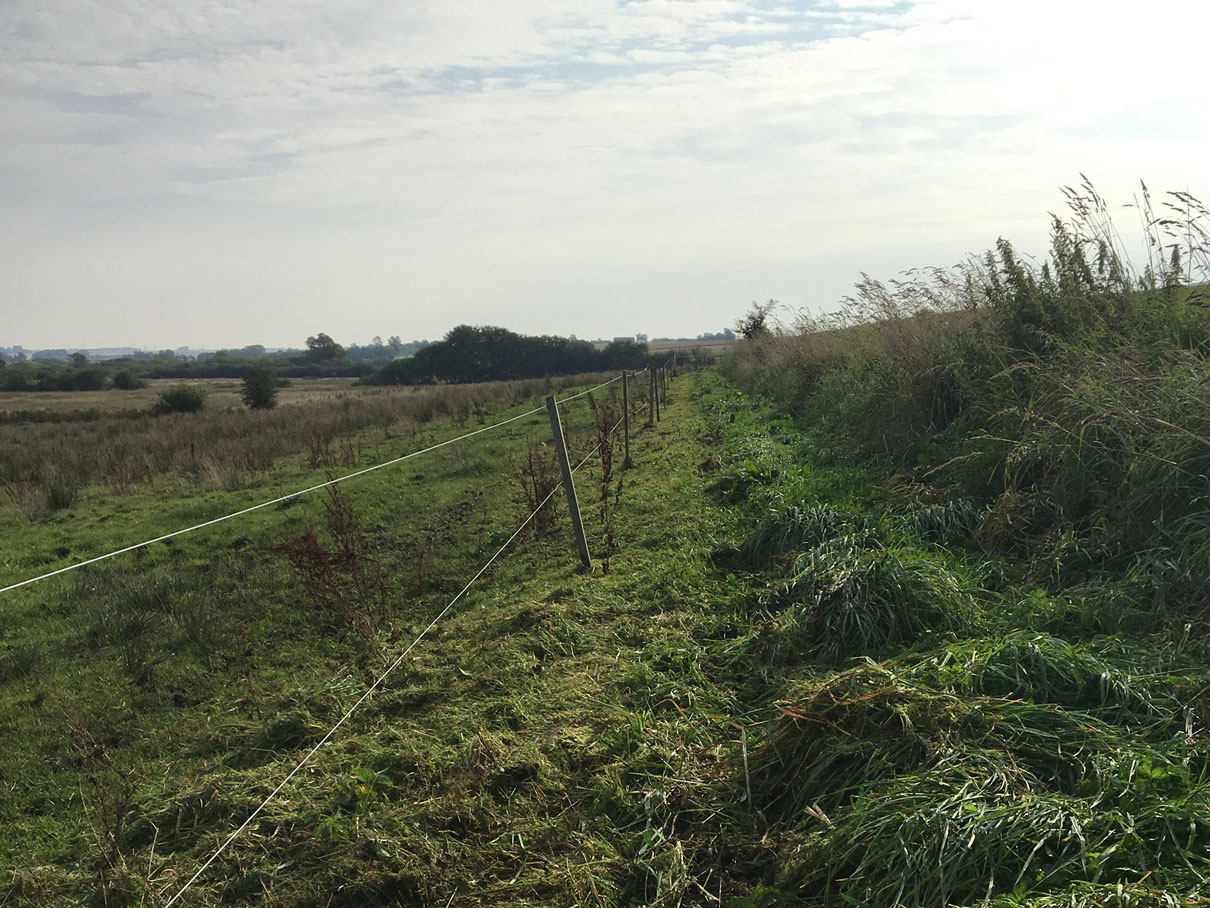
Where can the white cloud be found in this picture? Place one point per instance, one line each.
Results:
(351, 164)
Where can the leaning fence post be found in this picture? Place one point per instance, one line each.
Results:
(626, 416)
(658, 378)
(573, 505)
(651, 392)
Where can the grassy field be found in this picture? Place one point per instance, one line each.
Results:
(50, 458)
(716, 347)
(212, 659)
(222, 394)
(795, 684)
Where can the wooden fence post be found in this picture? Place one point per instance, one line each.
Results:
(626, 417)
(651, 392)
(658, 379)
(573, 504)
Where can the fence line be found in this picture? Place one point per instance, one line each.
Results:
(377, 683)
(265, 504)
(403, 655)
(589, 391)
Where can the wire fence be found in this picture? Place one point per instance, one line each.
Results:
(398, 659)
(296, 494)
(606, 437)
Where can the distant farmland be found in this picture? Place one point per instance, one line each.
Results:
(660, 346)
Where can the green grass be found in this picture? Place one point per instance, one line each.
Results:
(795, 686)
(202, 670)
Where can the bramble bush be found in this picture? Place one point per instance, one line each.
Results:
(181, 399)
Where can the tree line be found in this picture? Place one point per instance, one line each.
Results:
(322, 358)
(472, 354)
(466, 354)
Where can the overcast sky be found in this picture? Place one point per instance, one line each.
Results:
(225, 173)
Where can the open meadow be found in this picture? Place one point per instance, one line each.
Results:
(222, 394)
(708, 347)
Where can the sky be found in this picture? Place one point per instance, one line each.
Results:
(227, 172)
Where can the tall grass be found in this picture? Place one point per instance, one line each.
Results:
(1066, 401)
(992, 685)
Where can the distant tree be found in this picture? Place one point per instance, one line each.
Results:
(18, 376)
(79, 360)
(321, 348)
(259, 389)
(125, 380)
(623, 354)
(756, 322)
(89, 379)
(181, 399)
(470, 354)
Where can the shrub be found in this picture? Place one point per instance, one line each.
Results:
(343, 578)
(181, 399)
(259, 388)
(537, 477)
(87, 379)
(61, 492)
(125, 380)
(52, 490)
